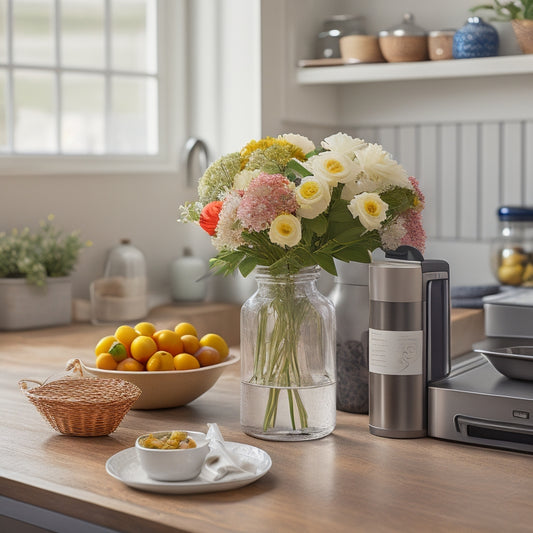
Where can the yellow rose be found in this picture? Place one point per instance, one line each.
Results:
(370, 209)
(333, 167)
(285, 230)
(313, 197)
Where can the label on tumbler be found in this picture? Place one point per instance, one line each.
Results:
(397, 353)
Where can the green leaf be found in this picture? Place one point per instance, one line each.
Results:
(350, 235)
(247, 265)
(294, 165)
(316, 151)
(226, 261)
(358, 254)
(317, 225)
(338, 212)
(326, 262)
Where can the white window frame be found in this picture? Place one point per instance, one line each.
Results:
(172, 117)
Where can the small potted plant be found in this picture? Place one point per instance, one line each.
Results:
(519, 13)
(35, 283)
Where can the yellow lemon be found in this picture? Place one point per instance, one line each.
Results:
(168, 340)
(186, 361)
(217, 342)
(126, 334)
(130, 365)
(104, 344)
(161, 360)
(145, 328)
(142, 348)
(105, 361)
(190, 343)
(185, 328)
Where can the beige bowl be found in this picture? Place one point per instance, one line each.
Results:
(360, 49)
(171, 388)
(400, 48)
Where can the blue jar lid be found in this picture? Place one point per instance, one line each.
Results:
(515, 213)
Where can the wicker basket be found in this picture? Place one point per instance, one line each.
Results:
(82, 407)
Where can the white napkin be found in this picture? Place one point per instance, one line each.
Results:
(221, 462)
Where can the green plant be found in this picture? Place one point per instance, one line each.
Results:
(505, 11)
(34, 255)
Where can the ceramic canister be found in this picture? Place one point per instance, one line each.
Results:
(475, 39)
(440, 44)
(404, 42)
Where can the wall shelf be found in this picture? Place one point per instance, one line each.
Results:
(421, 70)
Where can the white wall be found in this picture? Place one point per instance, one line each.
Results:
(220, 105)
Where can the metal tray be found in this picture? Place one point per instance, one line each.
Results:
(515, 362)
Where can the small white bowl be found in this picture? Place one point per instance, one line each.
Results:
(173, 465)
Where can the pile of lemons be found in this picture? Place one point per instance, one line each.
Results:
(144, 347)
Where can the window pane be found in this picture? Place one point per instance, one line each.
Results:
(3, 31)
(3, 107)
(133, 116)
(133, 35)
(82, 33)
(34, 111)
(33, 32)
(82, 119)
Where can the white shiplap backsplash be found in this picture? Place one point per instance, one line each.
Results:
(466, 171)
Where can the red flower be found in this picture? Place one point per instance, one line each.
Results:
(209, 217)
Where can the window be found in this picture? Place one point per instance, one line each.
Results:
(80, 78)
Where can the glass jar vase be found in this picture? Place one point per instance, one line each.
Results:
(288, 385)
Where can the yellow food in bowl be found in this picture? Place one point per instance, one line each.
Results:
(177, 440)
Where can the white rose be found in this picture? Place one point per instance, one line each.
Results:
(333, 167)
(370, 209)
(343, 143)
(362, 184)
(285, 230)
(378, 166)
(243, 178)
(313, 197)
(305, 144)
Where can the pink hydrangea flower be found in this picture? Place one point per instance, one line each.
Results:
(412, 222)
(267, 196)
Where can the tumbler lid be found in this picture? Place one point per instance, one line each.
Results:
(395, 281)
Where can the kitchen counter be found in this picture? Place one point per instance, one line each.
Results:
(348, 481)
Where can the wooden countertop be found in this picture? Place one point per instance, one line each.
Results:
(348, 481)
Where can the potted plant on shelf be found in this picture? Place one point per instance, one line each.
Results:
(519, 13)
(35, 282)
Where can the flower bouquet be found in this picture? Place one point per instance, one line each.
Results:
(283, 206)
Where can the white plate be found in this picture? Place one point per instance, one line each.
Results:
(125, 467)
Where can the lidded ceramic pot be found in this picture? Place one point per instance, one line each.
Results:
(475, 39)
(440, 44)
(404, 42)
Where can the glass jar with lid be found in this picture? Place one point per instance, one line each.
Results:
(121, 294)
(333, 28)
(512, 250)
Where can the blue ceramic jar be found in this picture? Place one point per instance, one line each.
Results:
(475, 39)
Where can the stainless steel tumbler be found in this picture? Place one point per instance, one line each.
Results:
(408, 343)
